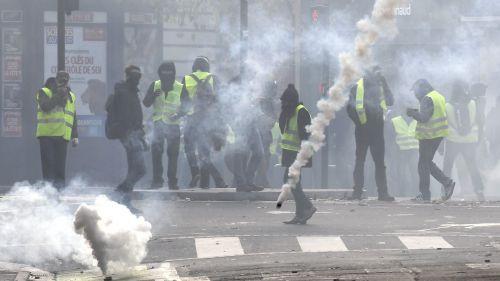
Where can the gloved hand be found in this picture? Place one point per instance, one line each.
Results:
(411, 112)
(74, 142)
(157, 93)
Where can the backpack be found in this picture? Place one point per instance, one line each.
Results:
(112, 127)
(204, 92)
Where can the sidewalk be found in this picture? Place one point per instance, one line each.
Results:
(212, 194)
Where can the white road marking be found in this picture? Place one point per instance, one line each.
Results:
(290, 212)
(321, 244)
(218, 247)
(484, 266)
(424, 242)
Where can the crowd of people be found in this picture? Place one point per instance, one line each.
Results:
(195, 111)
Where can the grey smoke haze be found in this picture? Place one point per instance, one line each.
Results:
(117, 237)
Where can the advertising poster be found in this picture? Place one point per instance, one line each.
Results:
(11, 41)
(86, 56)
(12, 97)
(12, 68)
(11, 123)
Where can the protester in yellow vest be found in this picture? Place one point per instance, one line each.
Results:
(293, 120)
(56, 126)
(368, 101)
(463, 138)
(203, 130)
(432, 127)
(165, 97)
(403, 157)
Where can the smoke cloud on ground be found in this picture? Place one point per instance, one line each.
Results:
(37, 228)
(117, 237)
(382, 23)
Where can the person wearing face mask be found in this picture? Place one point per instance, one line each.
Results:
(293, 119)
(432, 127)
(129, 116)
(464, 122)
(367, 106)
(164, 95)
(56, 126)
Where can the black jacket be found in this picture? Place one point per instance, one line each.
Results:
(303, 120)
(373, 94)
(47, 104)
(128, 106)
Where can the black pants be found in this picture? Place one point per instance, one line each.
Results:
(190, 141)
(261, 177)
(53, 152)
(171, 133)
(207, 167)
(256, 153)
(468, 152)
(426, 166)
(302, 203)
(236, 159)
(374, 140)
(134, 147)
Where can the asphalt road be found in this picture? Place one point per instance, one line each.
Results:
(343, 241)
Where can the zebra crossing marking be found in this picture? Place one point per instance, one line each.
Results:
(218, 247)
(321, 244)
(424, 242)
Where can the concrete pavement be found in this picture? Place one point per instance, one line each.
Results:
(365, 240)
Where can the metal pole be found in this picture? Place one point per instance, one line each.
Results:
(325, 155)
(243, 34)
(61, 35)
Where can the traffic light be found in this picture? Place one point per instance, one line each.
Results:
(319, 15)
(71, 5)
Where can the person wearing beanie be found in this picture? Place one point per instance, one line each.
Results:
(367, 106)
(293, 120)
(164, 95)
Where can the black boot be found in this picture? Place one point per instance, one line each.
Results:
(357, 194)
(195, 177)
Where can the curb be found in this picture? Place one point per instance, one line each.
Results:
(212, 194)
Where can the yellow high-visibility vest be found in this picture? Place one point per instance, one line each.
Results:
(360, 102)
(437, 126)
(405, 133)
(454, 136)
(164, 107)
(290, 139)
(59, 121)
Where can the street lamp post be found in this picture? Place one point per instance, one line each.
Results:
(61, 34)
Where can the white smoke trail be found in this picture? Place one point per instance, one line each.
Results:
(36, 228)
(117, 237)
(382, 23)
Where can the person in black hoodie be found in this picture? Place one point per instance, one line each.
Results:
(129, 115)
(366, 108)
(293, 120)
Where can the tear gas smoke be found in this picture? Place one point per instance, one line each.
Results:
(382, 23)
(117, 237)
(37, 228)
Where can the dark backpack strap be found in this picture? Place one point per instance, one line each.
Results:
(195, 78)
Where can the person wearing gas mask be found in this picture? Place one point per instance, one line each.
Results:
(129, 114)
(164, 95)
(56, 126)
(464, 134)
(367, 106)
(432, 127)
